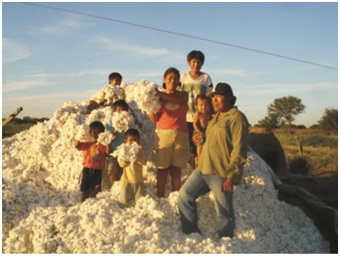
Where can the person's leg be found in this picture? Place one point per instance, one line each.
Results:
(96, 182)
(162, 175)
(114, 170)
(84, 196)
(194, 187)
(223, 205)
(125, 193)
(85, 183)
(175, 173)
(138, 191)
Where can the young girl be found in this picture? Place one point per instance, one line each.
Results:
(132, 178)
(171, 150)
(201, 119)
(94, 162)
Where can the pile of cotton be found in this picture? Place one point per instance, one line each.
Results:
(42, 213)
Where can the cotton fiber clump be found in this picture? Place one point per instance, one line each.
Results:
(42, 213)
(127, 152)
(144, 94)
(105, 138)
(112, 93)
(121, 121)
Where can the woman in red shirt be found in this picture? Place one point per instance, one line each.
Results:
(171, 150)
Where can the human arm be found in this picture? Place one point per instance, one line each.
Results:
(108, 150)
(196, 124)
(154, 117)
(77, 144)
(238, 153)
(141, 157)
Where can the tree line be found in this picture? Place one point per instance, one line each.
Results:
(282, 112)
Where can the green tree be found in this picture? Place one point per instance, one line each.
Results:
(284, 109)
(271, 121)
(329, 120)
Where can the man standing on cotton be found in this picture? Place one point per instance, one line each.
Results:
(220, 166)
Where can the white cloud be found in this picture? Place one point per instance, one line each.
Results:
(23, 85)
(65, 25)
(13, 50)
(228, 72)
(116, 45)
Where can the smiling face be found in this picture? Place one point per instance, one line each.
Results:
(95, 133)
(171, 81)
(195, 66)
(131, 139)
(203, 105)
(221, 103)
(115, 81)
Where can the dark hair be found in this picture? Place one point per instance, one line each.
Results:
(205, 97)
(202, 97)
(131, 132)
(120, 103)
(195, 55)
(115, 75)
(97, 125)
(171, 70)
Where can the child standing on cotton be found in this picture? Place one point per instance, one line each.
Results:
(94, 162)
(201, 119)
(194, 82)
(132, 178)
(113, 172)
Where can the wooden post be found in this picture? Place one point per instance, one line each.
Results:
(14, 114)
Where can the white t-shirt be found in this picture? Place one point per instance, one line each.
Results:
(194, 87)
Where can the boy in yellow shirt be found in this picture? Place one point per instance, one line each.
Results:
(132, 178)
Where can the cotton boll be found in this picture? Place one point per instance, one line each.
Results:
(122, 120)
(127, 152)
(113, 93)
(144, 94)
(105, 138)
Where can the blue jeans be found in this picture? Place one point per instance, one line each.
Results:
(199, 184)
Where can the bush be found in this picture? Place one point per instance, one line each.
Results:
(321, 141)
(298, 165)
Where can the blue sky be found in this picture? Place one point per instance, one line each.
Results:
(50, 56)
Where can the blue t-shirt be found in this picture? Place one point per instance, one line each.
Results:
(119, 136)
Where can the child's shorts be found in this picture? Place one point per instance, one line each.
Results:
(91, 180)
(171, 147)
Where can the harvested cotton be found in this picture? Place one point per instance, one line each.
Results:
(121, 121)
(42, 213)
(113, 93)
(144, 94)
(127, 152)
(105, 138)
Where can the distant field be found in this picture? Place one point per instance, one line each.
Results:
(19, 125)
(319, 149)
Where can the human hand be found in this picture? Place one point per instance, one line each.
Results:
(77, 143)
(227, 185)
(196, 138)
